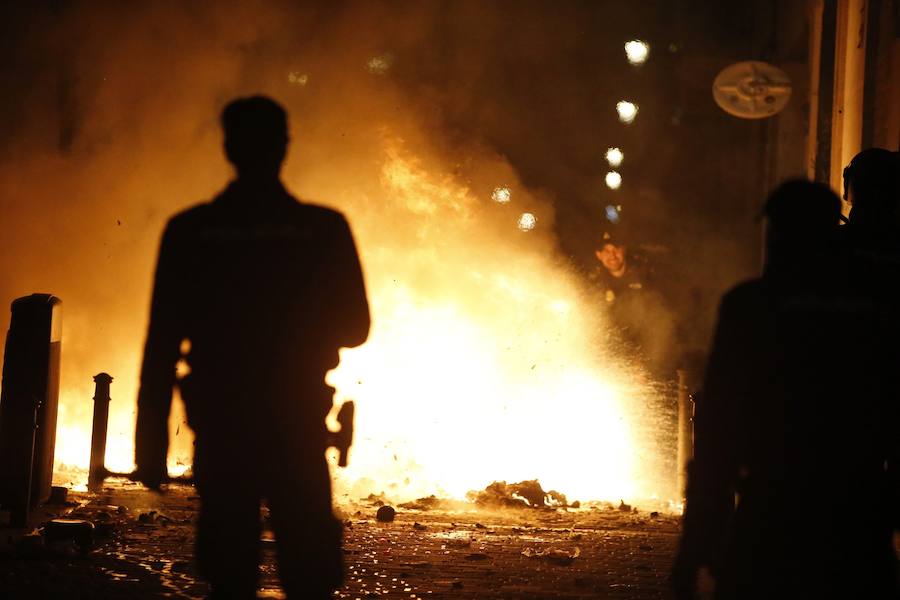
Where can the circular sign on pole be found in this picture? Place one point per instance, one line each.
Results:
(752, 89)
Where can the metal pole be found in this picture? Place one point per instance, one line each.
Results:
(685, 432)
(98, 435)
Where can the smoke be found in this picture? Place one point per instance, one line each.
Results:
(113, 128)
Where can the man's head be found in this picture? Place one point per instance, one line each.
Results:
(612, 256)
(872, 186)
(803, 219)
(255, 135)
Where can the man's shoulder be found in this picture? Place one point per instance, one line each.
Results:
(319, 213)
(191, 216)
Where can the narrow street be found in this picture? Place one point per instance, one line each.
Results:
(145, 542)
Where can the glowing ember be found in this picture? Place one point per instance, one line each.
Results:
(613, 180)
(637, 51)
(614, 157)
(627, 111)
(527, 222)
(501, 195)
(298, 78)
(380, 65)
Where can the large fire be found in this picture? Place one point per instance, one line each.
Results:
(487, 358)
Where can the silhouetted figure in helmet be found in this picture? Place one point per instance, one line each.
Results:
(788, 496)
(259, 291)
(872, 187)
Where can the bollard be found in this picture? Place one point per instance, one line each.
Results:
(685, 432)
(28, 404)
(98, 434)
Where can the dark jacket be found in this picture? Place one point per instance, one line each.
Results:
(788, 494)
(265, 289)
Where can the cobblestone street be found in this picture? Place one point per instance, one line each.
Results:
(601, 551)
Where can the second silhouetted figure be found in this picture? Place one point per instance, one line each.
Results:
(257, 292)
(788, 493)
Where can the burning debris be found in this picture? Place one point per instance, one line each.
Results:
(428, 503)
(524, 494)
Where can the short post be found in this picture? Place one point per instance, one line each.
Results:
(98, 435)
(685, 432)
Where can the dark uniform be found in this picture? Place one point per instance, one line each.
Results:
(266, 290)
(788, 494)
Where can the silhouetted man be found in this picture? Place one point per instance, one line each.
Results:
(872, 187)
(256, 291)
(796, 423)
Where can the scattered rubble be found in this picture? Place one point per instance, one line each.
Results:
(62, 532)
(428, 503)
(386, 514)
(524, 494)
(554, 555)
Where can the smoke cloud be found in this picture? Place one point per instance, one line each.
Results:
(482, 331)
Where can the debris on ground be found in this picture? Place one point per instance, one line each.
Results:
(75, 531)
(477, 556)
(524, 494)
(419, 527)
(428, 503)
(375, 499)
(58, 495)
(554, 555)
(385, 514)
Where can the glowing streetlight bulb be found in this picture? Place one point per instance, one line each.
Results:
(527, 222)
(627, 111)
(501, 195)
(636, 51)
(613, 180)
(614, 157)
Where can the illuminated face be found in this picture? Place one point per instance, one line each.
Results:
(613, 258)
